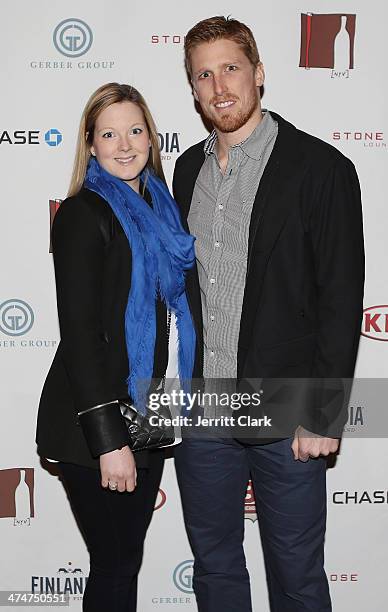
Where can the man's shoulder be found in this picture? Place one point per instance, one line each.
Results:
(319, 149)
(193, 154)
(314, 149)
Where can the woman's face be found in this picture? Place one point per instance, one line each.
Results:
(121, 142)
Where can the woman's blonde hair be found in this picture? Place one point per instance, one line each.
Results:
(103, 97)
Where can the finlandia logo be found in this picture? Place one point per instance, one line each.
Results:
(183, 576)
(68, 580)
(72, 37)
(53, 137)
(16, 317)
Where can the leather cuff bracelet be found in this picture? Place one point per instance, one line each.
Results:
(104, 428)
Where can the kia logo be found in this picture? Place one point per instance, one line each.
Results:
(375, 323)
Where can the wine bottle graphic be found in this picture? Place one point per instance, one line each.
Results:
(308, 39)
(22, 498)
(342, 47)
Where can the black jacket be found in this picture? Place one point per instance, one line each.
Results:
(302, 305)
(92, 260)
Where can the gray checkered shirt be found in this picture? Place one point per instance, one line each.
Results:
(219, 218)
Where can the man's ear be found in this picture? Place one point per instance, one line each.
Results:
(194, 92)
(259, 74)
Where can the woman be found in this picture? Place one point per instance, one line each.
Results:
(120, 255)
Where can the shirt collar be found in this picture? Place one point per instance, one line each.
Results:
(253, 145)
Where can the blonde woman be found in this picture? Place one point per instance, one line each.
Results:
(120, 256)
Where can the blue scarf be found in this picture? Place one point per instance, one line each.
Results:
(161, 253)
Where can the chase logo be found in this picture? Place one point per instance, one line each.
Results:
(72, 37)
(53, 137)
(16, 317)
(183, 576)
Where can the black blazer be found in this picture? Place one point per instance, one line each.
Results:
(303, 295)
(92, 260)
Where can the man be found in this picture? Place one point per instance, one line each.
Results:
(278, 289)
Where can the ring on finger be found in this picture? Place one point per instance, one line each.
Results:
(112, 485)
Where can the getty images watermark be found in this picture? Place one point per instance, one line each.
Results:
(226, 401)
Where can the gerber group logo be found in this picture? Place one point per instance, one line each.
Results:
(16, 317)
(250, 504)
(327, 41)
(17, 495)
(183, 576)
(16, 320)
(72, 37)
(375, 323)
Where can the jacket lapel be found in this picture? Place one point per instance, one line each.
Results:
(272, 205)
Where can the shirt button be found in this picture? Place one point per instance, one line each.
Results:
(212, 353)
(211, 317)
(220, 206)
(217, 244)
(212, 281)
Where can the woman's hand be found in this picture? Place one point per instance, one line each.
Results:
(118, 468)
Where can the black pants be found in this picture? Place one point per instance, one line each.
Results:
(114, 526)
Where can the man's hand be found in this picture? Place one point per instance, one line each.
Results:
(118, 470)
(307, 444)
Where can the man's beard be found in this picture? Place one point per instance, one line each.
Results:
(231, 122)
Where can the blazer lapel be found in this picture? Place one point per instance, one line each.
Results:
(273, 204)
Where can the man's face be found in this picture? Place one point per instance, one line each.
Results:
(225, 83)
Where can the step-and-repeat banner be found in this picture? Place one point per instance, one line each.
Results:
(325, 64)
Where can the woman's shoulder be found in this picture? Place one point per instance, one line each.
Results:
(85, 207)
(84, 215)
(84, 202)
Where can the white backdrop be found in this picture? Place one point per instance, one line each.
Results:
(45, 84)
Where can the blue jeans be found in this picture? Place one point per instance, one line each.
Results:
(291, 508)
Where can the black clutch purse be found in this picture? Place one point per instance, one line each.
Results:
(148, 431)
(113, 425)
